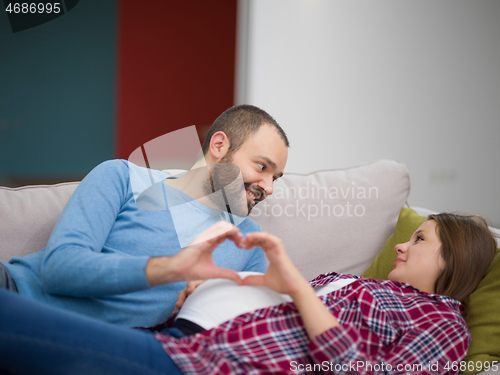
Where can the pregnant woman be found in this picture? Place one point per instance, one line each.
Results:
(275, 322)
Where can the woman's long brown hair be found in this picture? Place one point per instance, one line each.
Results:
(467, 247)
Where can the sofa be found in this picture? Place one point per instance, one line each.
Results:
(344, 220)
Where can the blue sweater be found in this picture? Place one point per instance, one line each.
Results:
(95, 259)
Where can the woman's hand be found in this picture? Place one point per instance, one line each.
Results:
(281, 276)
(195, 261)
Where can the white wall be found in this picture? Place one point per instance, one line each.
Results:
(354, 81)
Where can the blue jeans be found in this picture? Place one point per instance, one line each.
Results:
(36, 338)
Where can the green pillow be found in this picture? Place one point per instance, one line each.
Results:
(484, 309)
(484, 320)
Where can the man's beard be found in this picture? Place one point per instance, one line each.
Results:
(226, 176)
(257, 192)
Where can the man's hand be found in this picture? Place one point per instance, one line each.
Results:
(184, 293)
(195, 261)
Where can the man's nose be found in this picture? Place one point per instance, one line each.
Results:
(267, 185)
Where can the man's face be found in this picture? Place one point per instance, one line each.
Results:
(261, 160)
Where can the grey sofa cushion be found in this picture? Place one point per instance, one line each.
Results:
(335, 220)
(28, 215)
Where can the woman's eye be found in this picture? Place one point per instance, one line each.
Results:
(261, 166)
(419, 238)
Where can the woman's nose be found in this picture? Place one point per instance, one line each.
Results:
(401, 248)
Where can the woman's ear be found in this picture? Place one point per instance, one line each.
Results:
(219, 145)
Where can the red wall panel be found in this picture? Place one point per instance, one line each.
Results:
(175, 67)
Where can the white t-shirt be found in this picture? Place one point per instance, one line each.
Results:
(219, 300)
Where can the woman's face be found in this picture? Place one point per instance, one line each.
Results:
(419, 261)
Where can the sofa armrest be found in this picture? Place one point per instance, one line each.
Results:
(28, 216)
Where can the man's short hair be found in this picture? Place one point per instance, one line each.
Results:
(238, 123)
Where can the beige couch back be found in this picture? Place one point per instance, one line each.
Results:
(28, 215)
(336, 220)
(329, 220)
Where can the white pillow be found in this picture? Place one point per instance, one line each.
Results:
(335, 220)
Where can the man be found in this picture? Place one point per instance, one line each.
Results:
(108, 254)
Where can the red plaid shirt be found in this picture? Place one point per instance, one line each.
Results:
(386, 327)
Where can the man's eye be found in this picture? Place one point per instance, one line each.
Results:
(261, 166)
